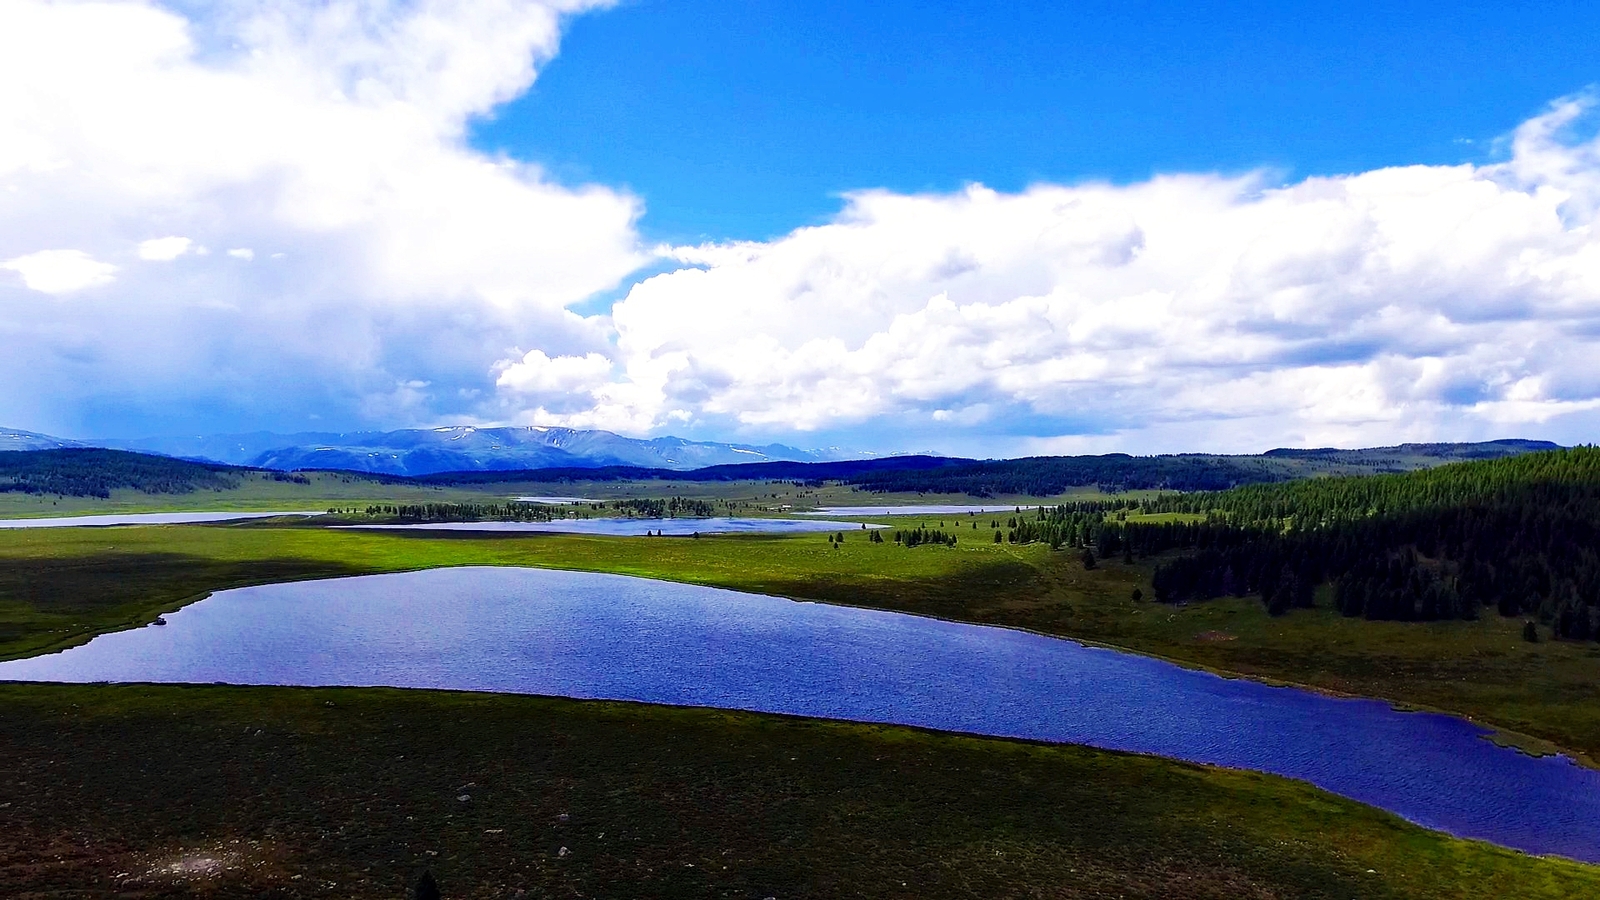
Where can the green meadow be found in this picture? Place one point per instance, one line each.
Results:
(143, 791)
(136, 790)
(324, 490)
(62, 586)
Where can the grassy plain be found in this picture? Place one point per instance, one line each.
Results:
(144, 791)
(325, 490)
(62, 586)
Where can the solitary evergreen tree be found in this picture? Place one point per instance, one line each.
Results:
(1530, 632)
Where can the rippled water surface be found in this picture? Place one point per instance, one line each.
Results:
(166, 518)
(606, 636)
(626, 527)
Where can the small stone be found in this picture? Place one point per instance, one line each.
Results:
(464, 797)
(563, 852)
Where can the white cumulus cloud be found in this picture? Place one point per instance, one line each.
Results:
(1180, 312)
(60, 271)
(408, 278)
(537, 373)
(334, 132)
(164, 249)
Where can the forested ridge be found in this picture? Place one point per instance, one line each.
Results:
(96, 473)
(1517, 536)
(1044, 476)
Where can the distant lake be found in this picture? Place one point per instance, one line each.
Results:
(166, 518)
(927, 510)
(556, 501)
(634, 527)
(585, 635)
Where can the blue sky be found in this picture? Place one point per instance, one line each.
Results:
(745, 120)
(987, 229)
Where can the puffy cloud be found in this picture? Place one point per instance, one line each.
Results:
(399, 277)
(60, 271)
(1182, 312)
(537, 373)
(164, 249)
(327, 135)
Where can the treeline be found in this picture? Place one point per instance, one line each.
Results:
(460, 512)
(671, 508)
(1043, 476)
(83, 472)
(1046, 475)
(916, 537)
(1518, 535)
(1318, 501)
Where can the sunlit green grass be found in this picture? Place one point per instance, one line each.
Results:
(61, 586)
(259, 492)
(800, 808)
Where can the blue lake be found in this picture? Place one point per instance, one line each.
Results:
(634, 527)
(584, 635)
(165, 518)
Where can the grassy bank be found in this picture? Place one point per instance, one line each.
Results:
(252, 792)
(61, 586)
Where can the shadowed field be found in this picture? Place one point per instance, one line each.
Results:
(264, 792)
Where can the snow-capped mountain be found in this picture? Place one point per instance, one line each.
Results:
(467, 448)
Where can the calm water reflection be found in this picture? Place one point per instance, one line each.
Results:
(166, 518)
(923, 510)
(604, 636)
(627, 527)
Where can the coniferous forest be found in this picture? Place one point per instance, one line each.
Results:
(1513, 537)
(90, 472)
(1516, 536)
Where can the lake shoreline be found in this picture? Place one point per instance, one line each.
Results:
(1070, 710)
(1526, 744)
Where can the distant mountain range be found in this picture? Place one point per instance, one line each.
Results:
(462, 448)
(11, 439)
(500, 454)
(43, 465)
